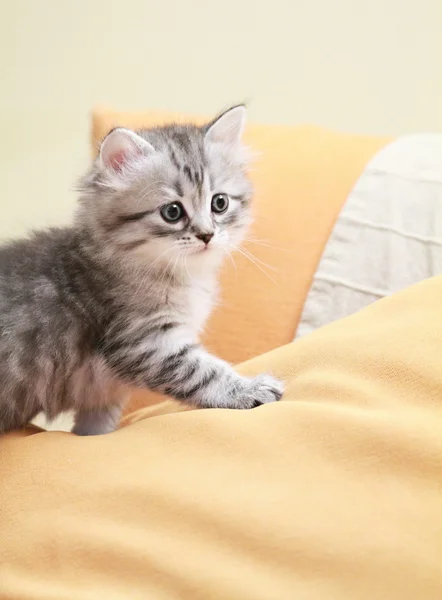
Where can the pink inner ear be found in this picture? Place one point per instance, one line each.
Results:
(118, 150)
(117, 159)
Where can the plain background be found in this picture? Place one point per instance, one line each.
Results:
(366, 66)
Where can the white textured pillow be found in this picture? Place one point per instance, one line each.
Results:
(388, 235)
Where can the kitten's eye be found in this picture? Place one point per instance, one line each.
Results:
(172, 212)
(220, 203)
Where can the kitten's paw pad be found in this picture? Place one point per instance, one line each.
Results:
(262, 390)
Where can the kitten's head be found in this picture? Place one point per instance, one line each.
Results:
(171, 195)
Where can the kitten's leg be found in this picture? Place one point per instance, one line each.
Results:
(96, 422)
(173, 364)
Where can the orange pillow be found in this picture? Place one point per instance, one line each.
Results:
(302, 177)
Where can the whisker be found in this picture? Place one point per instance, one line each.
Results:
(186, 267)
(173, 270)
(260, 242)
(240, 250)
(259, 260)
(268, 244)
(232, 261)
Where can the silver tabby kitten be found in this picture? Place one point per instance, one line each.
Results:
(120, 297)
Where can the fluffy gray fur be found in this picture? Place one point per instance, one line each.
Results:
(119, 298)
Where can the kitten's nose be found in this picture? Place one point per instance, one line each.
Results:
(205, 237)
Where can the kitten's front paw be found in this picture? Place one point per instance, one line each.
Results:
(261, 390)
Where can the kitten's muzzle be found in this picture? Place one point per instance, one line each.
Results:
(205, 237)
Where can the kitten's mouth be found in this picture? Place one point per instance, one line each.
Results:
(193, 251)
(200, 249)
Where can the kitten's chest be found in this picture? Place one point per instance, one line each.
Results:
(197, 304)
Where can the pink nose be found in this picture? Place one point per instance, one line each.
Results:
(205, 237)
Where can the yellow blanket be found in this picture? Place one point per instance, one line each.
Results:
(333, 493)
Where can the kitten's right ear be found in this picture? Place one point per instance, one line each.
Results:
(120, 148)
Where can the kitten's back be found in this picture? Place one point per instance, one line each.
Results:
(49, 308)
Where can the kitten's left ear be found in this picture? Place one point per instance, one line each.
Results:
(228, 128)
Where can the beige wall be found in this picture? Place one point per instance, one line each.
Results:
(363, 65)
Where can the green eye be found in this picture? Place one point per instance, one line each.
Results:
(220, 203)
(172, 212)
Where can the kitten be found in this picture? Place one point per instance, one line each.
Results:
(120, 297)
